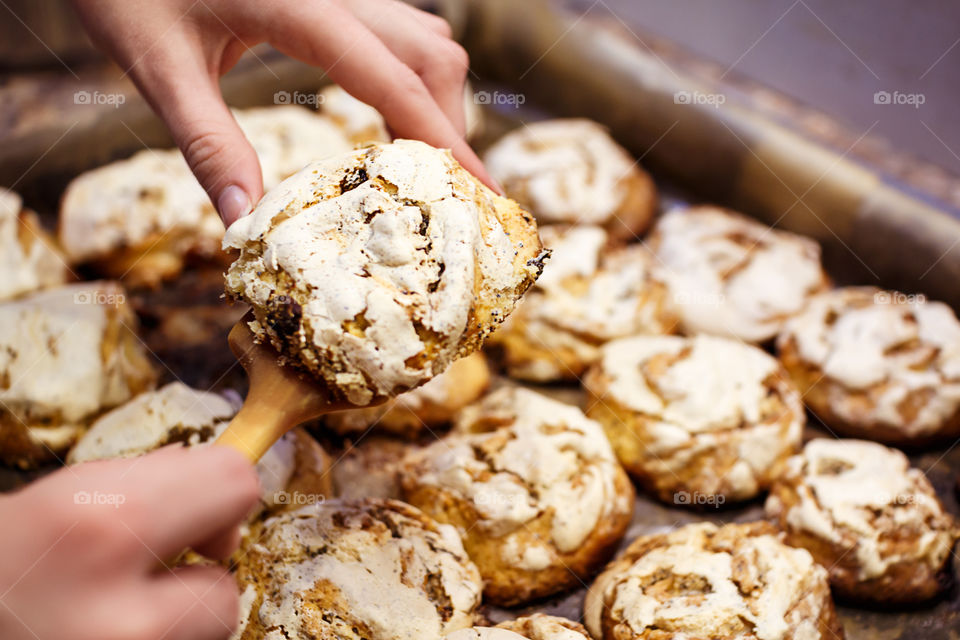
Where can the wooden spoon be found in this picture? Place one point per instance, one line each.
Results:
(279, 399)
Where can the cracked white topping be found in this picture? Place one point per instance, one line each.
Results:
(755, 588)
(544, 455)
(379, 562)
(566, 170)
(358, 120)
(177, 413)
(51, 353)
(28, 260)
(539, 626)
(868, 491)
(692, 391)
(123, 203)
(287, 138)
(611, 303)
(733, 276)
(870, 340)
(370, 246)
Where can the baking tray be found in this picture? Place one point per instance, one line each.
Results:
(874, 227)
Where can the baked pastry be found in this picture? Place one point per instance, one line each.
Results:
(703, 581)
(362, 124)
(572, 171)
(374, 569)
(295, 470)
(141, 219)
(533, 488)
(66, 355)
(370, 468)
(732, 276)
(696, 421)
(587, 295)
(373, 271)
(425, 408)
(29, 258)
(533, 627)
(878, 365)
(288, 137)
(866, 515)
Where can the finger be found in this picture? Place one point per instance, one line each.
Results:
(186, 95)
(221, 546)
(327, 35)
(412, 35)
(201, 602)
(179, 498)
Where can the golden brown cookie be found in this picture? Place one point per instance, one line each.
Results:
(533, 488)
(371, 570)
(572, 171)
(732, 276)
(533, 627)
(374, 270)
(703, 581)
(587, 295)
(66, 355)
(370, 468)
(696, 421)
(29, 257)
(866, 515)
(424, 409)
(878, 365)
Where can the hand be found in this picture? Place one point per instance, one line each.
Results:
(82, 548)
(392, 56)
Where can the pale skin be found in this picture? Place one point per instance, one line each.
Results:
(74, 568)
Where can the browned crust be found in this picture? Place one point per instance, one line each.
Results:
(817, 389)
(525, 625)
(638, 208)
(704, 474)
(903, 582)
(507, 585)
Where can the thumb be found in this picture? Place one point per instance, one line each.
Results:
(212, 142)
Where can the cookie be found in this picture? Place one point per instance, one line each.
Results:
(878, 365)
(704, 581)
(572, 171)
(29, 257)
(373, 271)
(425, 409)
(371, 570)
(732, 276)
(293, 471)
(698, 421)
(66, 356)
(370, 468)
(588, 294)
(866, 515)
(533, 488)
(533, 627)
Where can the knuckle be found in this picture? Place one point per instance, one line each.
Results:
(439, 26)
(450, 62)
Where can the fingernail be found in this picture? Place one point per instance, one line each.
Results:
(233, 204)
